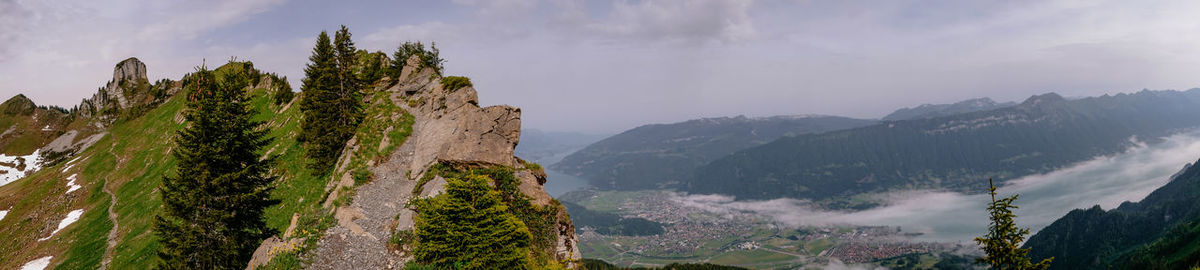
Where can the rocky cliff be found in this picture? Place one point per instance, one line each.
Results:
(129, 90)
(448, 128)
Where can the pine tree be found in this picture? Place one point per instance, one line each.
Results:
(427, 58)
(1002, 242)
(349, 87)
(469, 227)
(213, 206)
(332, 100)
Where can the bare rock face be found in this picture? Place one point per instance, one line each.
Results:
(456, 128)
(130, 69)
(451, 127)
(129, 80)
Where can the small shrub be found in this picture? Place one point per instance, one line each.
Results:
(361, 176)
(401, 239)
(453, 83)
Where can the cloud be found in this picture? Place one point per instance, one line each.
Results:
(204, 16)
(391, 37)
(690, 22)
(12, 24)
(949, 216)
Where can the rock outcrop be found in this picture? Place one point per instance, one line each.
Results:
(450, 128)
(455, 129)
(128, 83)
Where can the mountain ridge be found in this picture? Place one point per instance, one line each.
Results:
(1042, 133)
(661, 155)
(936, 110)
(1072, 238)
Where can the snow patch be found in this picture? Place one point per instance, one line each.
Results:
(8, 173)
(38, 264)
(72, 217)
(4, 213)
(71, 186)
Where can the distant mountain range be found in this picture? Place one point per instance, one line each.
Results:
(1160, 232)
(939, 110)
(662, 155)
(956, 152)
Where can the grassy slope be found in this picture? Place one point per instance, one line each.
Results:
(37, 204)
(29, 134)
(142, 157)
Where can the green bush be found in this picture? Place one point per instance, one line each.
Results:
(469, 227)
(455, 82)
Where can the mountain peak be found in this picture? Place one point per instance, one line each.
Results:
(1046, 98)
(128, 88)
(18, 104)
(129, 69)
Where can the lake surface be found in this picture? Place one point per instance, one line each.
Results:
(956, 217)
(558, 183)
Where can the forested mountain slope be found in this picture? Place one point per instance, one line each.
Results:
(1041, 134)
(662, 155)
(1117, 238)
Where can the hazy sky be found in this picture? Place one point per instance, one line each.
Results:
(605, 66)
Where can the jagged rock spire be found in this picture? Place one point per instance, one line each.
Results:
(129, 80)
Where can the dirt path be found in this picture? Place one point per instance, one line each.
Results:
(112, 215)
(359, 240)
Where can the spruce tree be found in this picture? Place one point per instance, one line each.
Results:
(349, 87)
(469, 227)
(332, 100)
(1002, 243)
(213, 204)
(428, 58)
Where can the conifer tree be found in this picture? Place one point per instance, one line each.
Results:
(469, 227)
(349, 87)
(1003, 241)
(213, 205)
(428, 58)
(332, 100)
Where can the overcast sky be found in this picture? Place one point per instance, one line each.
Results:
(606, 66)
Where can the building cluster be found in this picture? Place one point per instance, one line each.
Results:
(862, 251)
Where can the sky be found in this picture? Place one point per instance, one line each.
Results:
(607, 66)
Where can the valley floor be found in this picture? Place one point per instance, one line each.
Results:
(697, 234)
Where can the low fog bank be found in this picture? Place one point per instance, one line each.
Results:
(950, 216)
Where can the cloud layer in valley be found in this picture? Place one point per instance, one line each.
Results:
(949, 216)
